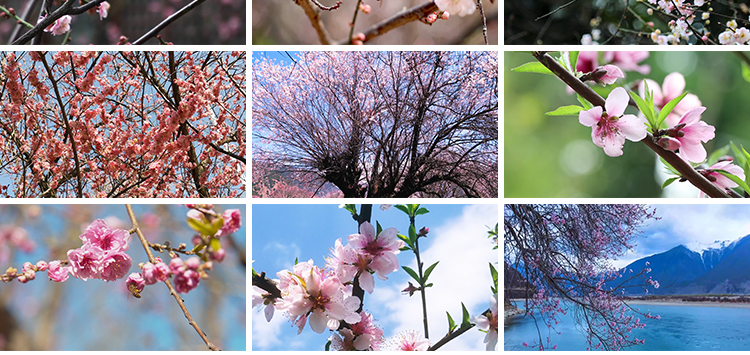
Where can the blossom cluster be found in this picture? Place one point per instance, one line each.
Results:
(62, 24)
(102, 255)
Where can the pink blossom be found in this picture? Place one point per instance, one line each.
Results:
(218, 255)
(232, 223)
(115, 266)
(193, 263)
(176, 265)
(457, 7)
(690, 132)
(60, 26)
(103, 10)
(153, 273)
(607, 75)
(609, 128)
(56, 272)
(720, 180)
(368, 336)
(673, 86)
(260, 297)
(85, 263)
(135, 283)
(100, 235)
(382, 249)
(41, 265)
(186, 281)
(409, 340)
(587, 61)
(489, 322)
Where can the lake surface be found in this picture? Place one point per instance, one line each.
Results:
(680, 328)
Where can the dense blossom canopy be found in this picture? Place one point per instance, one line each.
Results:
(376, 124)
(124, 124)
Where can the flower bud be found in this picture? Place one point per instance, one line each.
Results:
(218, 255)
(669, 143)
(193, 263)
(423, 232)
(445, 15)
(41, 265)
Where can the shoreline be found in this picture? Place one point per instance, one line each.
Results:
(688, 303)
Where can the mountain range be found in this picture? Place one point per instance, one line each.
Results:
(722, 267)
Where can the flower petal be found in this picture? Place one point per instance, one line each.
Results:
(318, 321)
(590, 117)
(692, 116)
(617, 102)
(674, 85)
(632, 127)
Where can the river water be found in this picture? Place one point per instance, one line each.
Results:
(680, 328)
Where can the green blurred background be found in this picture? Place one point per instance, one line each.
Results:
(553, 156)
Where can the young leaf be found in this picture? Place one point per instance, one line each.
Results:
(421, 211)
(215, 244)
(718, 153)
(643, 107)
(406, 240)
(428, 285)
(669, 167)
(412, 274)
(402, 208)
(412, 236)
(734, 178)
(493, 272)
(586, 104)
(574, 60)
(296, 261)
(379, 228)
(668, 109)
(351, 208)
(741, 158)
(465, 320)
(571, 110)
(429, 270)
(328, 346)
(532, 67)
(451, 323)
(669, 182)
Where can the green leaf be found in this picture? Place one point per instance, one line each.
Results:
(571, 110)
(328, 346)
(643, 106)
(296, 261)
(718, 153)
(465, 320)
(493, 272)
(451, 323)
(745, 72)
(734, 178)
(412, 274)
(351, 208)
(429, 270)
(379, 229)
(215, 244)
(204, 227)
(406, 240)
(574, 60)
(669, 182)
(402, 208)
(421, 211)
(199, 247)
(668, 109)
(412, 236)
(532, 67)
(428, 285)
(586, 104)
(669, 167)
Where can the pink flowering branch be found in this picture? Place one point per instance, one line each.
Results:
(171, 288)
(397, 20)
(687, 172)
(66, 8)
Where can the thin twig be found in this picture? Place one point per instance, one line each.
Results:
(172, 291)
(555, 10)
(484, 21)
(313, 13)
(397, 20)
(673, 159)
(154, 31)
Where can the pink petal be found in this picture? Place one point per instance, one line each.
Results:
(632, 127)
(269, 312)
(692, 116)
(318, 321)
(366, 281)
(696, 133)
(692, 152)
(674, 85)
(613, 145)
(617, 102)
(688, 102)
(590, 117)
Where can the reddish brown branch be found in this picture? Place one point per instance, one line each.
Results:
(673, 159)
(313, 13)
(171, 288)
(397, 20)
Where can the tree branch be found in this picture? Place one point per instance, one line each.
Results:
(172, 18)
(673, 159)
(313, 13)
(171, 288)
(397, 20)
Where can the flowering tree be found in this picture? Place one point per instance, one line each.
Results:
(564, 252)
(126, 124)
(363, 21)
(630, 22)
(332, 298)
(104, 252)
(377, 124)
(32, 19)
(669, 120)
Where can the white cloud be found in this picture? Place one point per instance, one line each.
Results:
(285, 254)
(266, 334)
(464, 251)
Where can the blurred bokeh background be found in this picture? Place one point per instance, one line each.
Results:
(283, 22)
(210, 23)
(98, 315)
(553, 156)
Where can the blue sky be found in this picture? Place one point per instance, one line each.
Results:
(458, 239)
(683, 224)
(98, 315)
